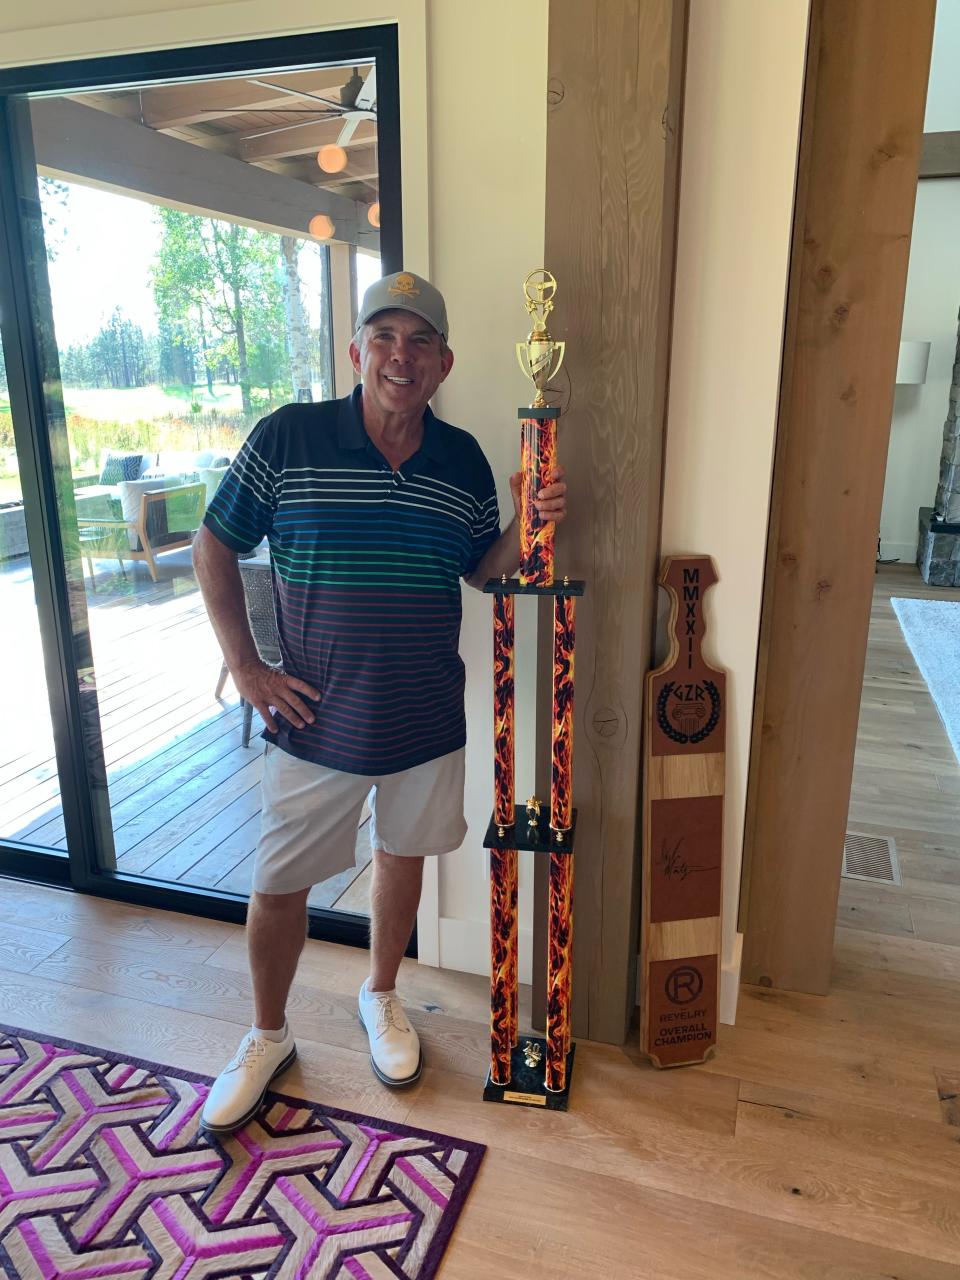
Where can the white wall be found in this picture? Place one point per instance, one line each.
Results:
(743, 97)
(930, 312)
(473, 139)
(488, 117)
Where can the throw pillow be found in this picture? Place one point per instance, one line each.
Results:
(121, 466)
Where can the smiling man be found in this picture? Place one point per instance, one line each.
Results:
(374, 510)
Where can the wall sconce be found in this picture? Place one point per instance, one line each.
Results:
(912, 364)
(373, 214)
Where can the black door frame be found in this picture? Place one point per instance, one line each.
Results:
(24, 338)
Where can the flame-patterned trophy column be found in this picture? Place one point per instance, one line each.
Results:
(560, 931)
(533, 1072)
(538, 460)
(503, 862)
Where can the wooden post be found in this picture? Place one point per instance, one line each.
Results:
(343, 307)
(615, 70)
(859, 154)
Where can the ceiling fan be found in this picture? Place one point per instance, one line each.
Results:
(358, 101)
(364, 104)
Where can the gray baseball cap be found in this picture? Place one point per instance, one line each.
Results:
(403, 291)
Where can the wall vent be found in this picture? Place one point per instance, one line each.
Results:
(872, 858)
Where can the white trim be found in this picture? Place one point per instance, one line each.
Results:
(428, 915)
(905, 552)
(730, 982)
(465, 946)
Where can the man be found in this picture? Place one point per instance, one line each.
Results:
(375, 510)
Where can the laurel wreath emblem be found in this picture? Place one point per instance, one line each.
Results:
(704, 731)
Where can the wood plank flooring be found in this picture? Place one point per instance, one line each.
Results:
(184, 794)
(906, 783)
(820, 1142)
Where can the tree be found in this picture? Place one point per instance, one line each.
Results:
(116, 357)
(221, 282)
(183, 286)
(55, 211)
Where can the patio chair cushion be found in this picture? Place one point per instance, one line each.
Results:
(173, 462)
(211, 477)
(120, 466)
(130, 495)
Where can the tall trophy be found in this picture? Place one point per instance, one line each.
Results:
(530, 1071)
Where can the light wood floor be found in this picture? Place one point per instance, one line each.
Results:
(813, 1147)
(906, 783)
(821, 1143)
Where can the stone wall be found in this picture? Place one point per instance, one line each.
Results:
(938, 552)
(948, 491)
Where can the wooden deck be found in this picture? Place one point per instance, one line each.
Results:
(184, 794)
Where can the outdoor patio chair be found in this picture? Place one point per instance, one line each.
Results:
(161, 516)
(101, 533)
(258, 597)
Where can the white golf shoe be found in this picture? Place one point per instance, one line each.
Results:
(237, 1093)
(394, 1045)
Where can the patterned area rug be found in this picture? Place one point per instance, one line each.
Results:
(103, 1173)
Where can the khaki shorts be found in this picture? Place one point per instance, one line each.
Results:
(310, 815)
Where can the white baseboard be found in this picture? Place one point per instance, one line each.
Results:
(428, 935)
(465, 946)
(905, 552)
(730, 983)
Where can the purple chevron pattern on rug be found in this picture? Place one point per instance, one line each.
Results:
(103, 1173)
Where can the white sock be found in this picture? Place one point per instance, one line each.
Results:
(275, 1036)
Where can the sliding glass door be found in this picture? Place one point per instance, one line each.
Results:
(181, 255)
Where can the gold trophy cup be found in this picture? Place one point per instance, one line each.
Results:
(541, 356)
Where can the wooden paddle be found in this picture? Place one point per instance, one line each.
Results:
(683, 830)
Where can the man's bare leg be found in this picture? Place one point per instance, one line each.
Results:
(276, 928)
(394, 899)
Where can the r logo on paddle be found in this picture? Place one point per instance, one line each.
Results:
(683, 984)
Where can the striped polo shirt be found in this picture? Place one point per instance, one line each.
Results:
(367, 563)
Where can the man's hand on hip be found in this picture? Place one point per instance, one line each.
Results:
(271, 690)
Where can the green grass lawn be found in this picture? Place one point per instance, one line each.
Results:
(136, 404)
(151, 417)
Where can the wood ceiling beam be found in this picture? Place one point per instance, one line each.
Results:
(303, 139)
(169, 106)
(306, 169)
(76, 143)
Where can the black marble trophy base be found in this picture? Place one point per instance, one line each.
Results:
(526, 1087)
